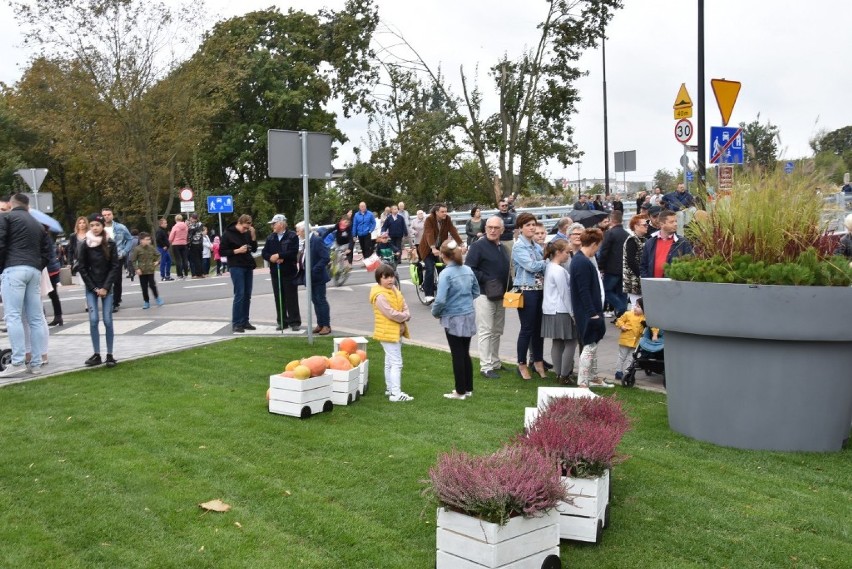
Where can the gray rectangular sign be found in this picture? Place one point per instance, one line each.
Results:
(625, 161)
(285, 154)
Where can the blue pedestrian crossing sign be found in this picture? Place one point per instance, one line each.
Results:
(690, 177)
(220, 204)
(726, 145)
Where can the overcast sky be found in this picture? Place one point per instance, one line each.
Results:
(791, 57)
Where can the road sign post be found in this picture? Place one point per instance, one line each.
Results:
(305, 155)
(33, 177)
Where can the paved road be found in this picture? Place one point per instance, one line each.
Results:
(198, 312)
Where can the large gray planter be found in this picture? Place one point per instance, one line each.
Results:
(756, 367)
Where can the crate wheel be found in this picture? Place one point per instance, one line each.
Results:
(599, 533)
(306, 412)
(349, 399)
(551, 562)
(606, 517)
(327, 407)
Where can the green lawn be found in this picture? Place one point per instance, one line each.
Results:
(106, 468)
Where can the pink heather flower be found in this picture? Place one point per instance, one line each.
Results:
(514, 481)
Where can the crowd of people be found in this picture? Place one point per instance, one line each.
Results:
(570, 288)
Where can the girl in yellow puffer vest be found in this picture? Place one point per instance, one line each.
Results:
(391, 326)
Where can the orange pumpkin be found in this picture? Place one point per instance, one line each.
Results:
(317, 365)
(362, 354)
(288, 374)
(348, 345)
(340, 363)
(268, 393)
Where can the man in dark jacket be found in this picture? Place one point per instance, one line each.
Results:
(490, 263)
(396, 228)
(508, 217)
(662, 247)
(611, 263)
(281, 251)
(23, 254)
(238, 243)
(162, 239)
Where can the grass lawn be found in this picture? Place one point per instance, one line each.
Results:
(106, 468)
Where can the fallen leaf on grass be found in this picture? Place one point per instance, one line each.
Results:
(215, 506)
(238, 524)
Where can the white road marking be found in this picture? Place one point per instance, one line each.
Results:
(205, 286)
(186, 328)
(118, 326)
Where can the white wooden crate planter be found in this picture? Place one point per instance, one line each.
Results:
(363, 378)
(545, 394)
(344, 385)
(585, 519)
(530, 415)
(359, 340)
(300, 397)
(464, 542)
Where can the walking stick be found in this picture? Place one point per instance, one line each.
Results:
(280, 300)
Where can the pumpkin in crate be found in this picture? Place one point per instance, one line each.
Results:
(292, 365)
(303, 372)
(362, 354)
(289, 374)
(316, 364)
(268, 393)
(355, 360)
(348, 345)
(340, 363)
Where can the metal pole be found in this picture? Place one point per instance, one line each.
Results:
(702, 138)
(307, 266)
(685, 167)
(35, 186)
(220, 226)
(578, 178)
(606, 130)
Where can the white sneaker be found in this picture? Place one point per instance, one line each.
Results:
(469, 394)
(429, 299)
(401, 397)
(454, 395)
(388, 393)
(12, 370)
(600, 383)
(34, 370)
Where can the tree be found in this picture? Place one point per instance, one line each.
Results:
(123, 47)
(761, 144)
(282, 71)
(665, 180)
(536, 94)
(837, 141)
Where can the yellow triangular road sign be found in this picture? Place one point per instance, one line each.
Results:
(682, 100)
(726, 96)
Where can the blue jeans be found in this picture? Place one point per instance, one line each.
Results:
(243, 279)
(429, 274)
(614, 293)
(530, 335)
(94, 317)
(21, 293)
(320, 304)
(165, 262)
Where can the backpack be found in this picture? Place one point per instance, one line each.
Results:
(195, 235)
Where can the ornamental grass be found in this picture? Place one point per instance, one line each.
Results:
(514, 481)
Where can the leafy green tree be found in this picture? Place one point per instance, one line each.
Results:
(665, 180)
(761, 144)
(837, 141)
(282, 71)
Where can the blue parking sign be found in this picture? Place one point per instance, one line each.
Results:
(220, 204)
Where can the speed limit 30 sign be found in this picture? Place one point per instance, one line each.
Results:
(683, 131)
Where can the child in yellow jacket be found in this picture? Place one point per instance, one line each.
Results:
(631, 324)
(391, 325)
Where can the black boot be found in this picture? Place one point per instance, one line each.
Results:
(57, 321)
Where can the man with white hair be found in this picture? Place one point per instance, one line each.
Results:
(23, 254)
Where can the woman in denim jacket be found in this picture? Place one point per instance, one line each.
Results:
(529, 279)
(453, 304)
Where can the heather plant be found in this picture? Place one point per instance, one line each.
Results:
(514, 481)
(580, 433)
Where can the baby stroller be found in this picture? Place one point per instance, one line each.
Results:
(648, 356)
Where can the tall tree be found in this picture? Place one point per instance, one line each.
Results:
(537, 96)
(282, 72)
(761, 144)
(124, 47)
